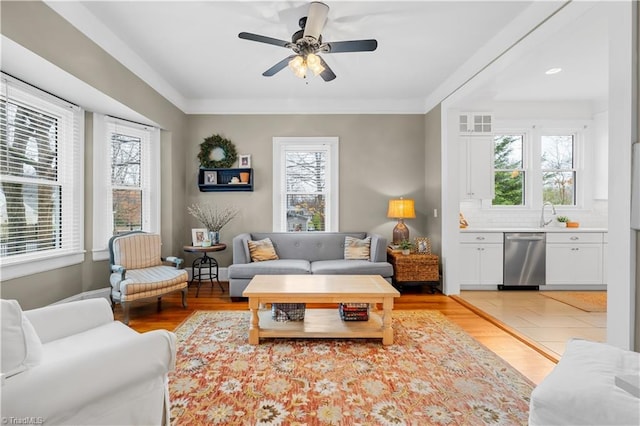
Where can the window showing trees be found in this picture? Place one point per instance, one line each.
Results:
(305, 184)
(39, 173)
(558, 169)
(126, 182)
(305, 175)
(509, 170)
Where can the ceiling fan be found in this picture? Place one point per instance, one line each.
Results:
(307, 43)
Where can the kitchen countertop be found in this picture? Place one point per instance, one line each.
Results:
(538, 229)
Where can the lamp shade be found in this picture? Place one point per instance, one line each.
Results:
(401, 209)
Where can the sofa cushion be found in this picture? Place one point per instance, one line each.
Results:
(357, 249)
(270, 267)
(262, 250)
(581, 388)
(351, 267)
(21, 346)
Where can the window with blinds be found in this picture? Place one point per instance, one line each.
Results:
(305, 184)
(41, 169)
(126, 180)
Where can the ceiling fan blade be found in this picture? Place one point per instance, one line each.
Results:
(316, 19)
(350, 46)
(279, 66)
(264, 39)
(327, 74)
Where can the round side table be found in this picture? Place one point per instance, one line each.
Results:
(206, 263)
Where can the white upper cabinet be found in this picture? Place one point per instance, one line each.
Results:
(473, 123)
(476, 161)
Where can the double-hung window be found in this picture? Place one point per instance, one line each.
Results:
(126, 180)
(532, 167)
(305, 184)
(41, 170)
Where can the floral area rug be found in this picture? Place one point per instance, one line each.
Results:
(588, 301)
(433, 374)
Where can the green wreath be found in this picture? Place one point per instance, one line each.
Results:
(217, 152)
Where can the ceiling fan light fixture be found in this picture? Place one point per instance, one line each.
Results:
(314, 63)
(298, 66)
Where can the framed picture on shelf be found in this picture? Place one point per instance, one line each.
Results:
(210, 178)
(244, 161)
(422, 245)
(198, 235)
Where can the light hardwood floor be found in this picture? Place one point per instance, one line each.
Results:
(530, 362)
(547, 322)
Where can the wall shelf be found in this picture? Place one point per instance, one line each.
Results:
(220, 180)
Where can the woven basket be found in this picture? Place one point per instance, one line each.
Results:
(416, 268)
(288, 311)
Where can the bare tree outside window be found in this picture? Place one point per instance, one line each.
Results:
(126, 153)
(306, 180)
(558, 169)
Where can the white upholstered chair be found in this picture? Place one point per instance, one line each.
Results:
(73, 364)
(138, 272)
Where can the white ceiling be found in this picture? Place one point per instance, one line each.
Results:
(190, 52)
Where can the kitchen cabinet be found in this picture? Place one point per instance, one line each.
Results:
(574, 258)
(475, 123)
(476, 161)
(482, 258)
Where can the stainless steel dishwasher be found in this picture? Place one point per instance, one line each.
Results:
(524, 260)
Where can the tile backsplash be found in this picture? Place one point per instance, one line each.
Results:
(479, 217)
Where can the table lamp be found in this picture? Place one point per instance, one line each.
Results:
(401, 209)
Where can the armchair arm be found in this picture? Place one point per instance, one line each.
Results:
(378, 248)
(88, 377)
(173, 259)
(57, 321)
(119, 269)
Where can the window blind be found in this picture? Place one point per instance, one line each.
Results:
(41, 171)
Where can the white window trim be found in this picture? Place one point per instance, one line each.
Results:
(14, 266)
(102, 205)
(279, 145)
(532, 151)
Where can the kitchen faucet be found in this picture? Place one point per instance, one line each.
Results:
(544, 223)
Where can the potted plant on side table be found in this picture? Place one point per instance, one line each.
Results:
(405, 246)
(562, 221)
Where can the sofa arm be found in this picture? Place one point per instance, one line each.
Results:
(56, 321)
(241, 248)
(58, 390)
(378, 248)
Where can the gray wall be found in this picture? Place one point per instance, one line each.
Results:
(35, 26)
(433, 178)
(381, 156)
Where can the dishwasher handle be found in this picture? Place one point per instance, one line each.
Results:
(524, 238)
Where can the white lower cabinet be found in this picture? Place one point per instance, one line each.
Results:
(482, 258)
(574, 258)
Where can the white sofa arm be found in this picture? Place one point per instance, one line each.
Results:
(58, 390)
(56, 321)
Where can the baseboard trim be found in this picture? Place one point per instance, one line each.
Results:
(92, 294)
(524, 339)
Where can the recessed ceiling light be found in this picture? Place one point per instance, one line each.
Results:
(553, 71)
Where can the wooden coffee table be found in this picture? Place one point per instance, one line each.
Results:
(320, 323)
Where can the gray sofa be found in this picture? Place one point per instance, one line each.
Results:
(302, 253)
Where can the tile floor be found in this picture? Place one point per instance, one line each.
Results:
(545, 321)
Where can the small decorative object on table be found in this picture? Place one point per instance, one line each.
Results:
(198, 236)
(463, 221)
(213, 218)
(354, 311)
(572, 224)
(562, 220)
(423, 245)
(405, 246)
(288, 311)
